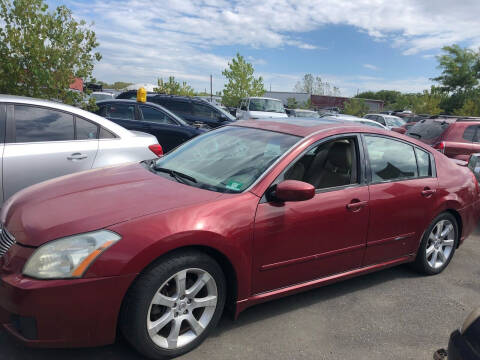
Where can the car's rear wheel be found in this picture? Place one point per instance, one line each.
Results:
(172, 307)
(438, 245)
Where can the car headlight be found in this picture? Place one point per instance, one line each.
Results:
(69, 257)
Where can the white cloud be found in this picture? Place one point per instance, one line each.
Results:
(370, 67)
(144, 39)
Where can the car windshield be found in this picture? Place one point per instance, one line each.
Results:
(267, 105)
(229, 159)
(226, 113)
(306, 114)
(428, 129)
(394, 121)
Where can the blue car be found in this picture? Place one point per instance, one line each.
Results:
(170, 129)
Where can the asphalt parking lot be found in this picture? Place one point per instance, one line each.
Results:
(392, 314)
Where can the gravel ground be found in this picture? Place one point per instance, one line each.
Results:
(391, 314)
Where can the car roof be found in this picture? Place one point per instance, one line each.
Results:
(302, 127)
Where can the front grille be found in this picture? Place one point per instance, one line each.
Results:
(6, 240)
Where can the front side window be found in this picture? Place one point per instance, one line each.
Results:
(266, 105)
(34, 124)
(120, 111)
(203, 111)
(380, 119)
(327, 165)
(390, 159)
(229, 159)
(153, 115)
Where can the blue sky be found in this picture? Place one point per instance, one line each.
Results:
(355, 45)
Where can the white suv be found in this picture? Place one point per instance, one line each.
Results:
(260, 108)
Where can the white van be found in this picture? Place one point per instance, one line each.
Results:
(260, 108)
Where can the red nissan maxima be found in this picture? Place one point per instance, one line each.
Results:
(240, 215)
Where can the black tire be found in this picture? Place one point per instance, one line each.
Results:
(136, 305)
(421, 263)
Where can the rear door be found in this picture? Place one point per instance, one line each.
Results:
(42, 143)
(402, 189)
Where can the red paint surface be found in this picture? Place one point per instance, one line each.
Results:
(274, 249)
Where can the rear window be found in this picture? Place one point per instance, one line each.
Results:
(428, 129)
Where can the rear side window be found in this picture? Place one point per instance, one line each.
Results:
(469, 133)
(424, 163)
(428, 129)
(105, 134)
(34, 124)
(85, 130)
(120, 111)
(390, 159)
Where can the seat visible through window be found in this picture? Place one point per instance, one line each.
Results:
(329, 165)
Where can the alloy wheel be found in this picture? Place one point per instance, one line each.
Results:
(182, 308)
(440, 244)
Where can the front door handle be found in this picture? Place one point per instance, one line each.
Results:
(427, 192)
(356, 205)
(77, 156)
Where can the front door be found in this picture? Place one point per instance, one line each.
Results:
(402, 193)
(300, 241)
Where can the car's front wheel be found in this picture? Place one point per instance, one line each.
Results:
(438, 245)
(172, 306)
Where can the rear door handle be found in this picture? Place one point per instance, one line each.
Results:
(356, 205)
(77, 156)
(427, 192)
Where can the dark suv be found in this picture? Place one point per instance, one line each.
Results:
(456, 137)
(192, 110)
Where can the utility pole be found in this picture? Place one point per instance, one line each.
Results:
(211, 88)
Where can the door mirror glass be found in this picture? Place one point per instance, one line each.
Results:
(293, 190)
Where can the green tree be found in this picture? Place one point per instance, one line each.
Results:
(355, 107)
(389, 97)
(427, 103)
(471, 107)
(292, 103)
(241, 82)
(314, 85)
(173, 87)
(42, 52)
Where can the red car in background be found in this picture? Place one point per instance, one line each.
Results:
(456, 137)
(240, 215)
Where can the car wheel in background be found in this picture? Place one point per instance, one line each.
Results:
(438, 245)
(172, 307)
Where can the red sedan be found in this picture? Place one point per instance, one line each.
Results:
(240, 215)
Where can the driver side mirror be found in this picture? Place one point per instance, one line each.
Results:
(294, 190)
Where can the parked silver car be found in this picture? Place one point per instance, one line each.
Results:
(41, 140)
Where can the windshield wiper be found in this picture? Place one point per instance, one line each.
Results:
(175, 174)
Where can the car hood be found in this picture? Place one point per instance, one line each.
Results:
(264, 114)
(93, 200)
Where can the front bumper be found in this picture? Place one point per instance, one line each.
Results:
(62, 313)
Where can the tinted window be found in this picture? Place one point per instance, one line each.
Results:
(105, 134)
(390, 159)
(428, 129)
(424, 163)
(327, 165)
(380, 119)
(154, 115)
(120, 111)
(85, 129)
(469, 133)
(39, 124)
(177, 106)
(203, 111)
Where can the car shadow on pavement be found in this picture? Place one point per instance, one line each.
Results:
(11, 349)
